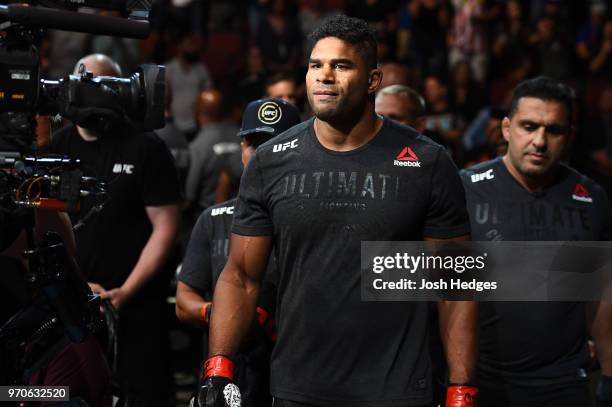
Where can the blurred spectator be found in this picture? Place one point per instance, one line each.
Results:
(486, 138)
(279, 38)
(310, 15)
(403, 104)
(224, 16)
(466, 95)
(439, 115)
(208, 151)
(590, 33)
(511, 58)
(601, 64)
(251, 83)
(65, 49)
(422, 30)
(282, 86)
(177, 144)
(123, 50)
(378, 13)
(595, 142)
(553, 53)
(394, 74)
(470, 33)
(186, 77)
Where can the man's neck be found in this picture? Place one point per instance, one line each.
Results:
(531, 184)
(87, 135)
(348, 135)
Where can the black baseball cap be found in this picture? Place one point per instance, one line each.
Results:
(268, 116)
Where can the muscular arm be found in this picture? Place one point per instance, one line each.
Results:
(459, 332)
(165, 221)
(237, 292)
(601, 329)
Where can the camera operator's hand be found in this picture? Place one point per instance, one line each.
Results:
(117, 296)
(96, 288)
(219, 389)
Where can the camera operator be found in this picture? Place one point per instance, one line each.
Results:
(122, 250)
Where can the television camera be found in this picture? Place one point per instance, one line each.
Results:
(62, 305)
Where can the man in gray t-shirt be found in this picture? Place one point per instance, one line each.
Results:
(186, 77)
(209, 150)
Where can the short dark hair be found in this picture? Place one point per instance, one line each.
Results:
(351, 30)
(544, 88)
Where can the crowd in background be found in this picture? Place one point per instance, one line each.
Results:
(463, 56)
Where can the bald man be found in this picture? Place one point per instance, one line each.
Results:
(122, 250)
(208, 151)
(403, 104)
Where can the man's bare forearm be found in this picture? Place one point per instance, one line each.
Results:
(165, 222)
(602, 333)
(459, 332)
(190, 305)
(233, 311)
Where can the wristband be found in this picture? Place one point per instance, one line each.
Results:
(461, 396)
(219, 366)
(205, 311)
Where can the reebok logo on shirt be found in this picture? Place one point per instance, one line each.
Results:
(407, 158)
(482, 176)
(284, 146)
(123, 169)
(582, 194)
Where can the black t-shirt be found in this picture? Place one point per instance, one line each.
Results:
(319, 205)
(204, 261)
(527, 342)
(207, 254)
(208, 249)
(140, 172)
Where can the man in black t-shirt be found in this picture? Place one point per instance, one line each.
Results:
(122, 249)
(207, 253)
(534, 354)
(314, 193)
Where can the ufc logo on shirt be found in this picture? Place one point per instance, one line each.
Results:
(123, 169)
(284, 146)
(220, 211)
(482, 176)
